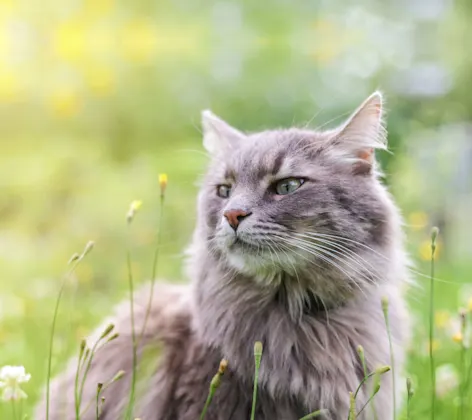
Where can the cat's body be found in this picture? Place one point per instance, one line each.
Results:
(299, 264)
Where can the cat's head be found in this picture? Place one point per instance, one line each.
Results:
(287, 200)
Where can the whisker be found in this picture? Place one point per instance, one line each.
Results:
(324, 258)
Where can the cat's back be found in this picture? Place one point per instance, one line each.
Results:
(161, 318)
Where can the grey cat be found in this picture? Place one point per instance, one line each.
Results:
(296, 243)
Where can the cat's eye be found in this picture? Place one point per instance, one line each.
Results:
(223, 191)
(288, 185)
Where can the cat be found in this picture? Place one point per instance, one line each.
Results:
(297, 242)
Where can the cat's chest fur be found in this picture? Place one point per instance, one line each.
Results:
(187, 386)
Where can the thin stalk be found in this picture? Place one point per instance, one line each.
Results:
(84, 377)
(214, 385)
(75, 260)
(13, 408)
(366, 404)
(257, 360)
(314, 414)
(97, 406)
(385, 305)
(129, 412)
(463, 315)
(360, 351)
(155, 265)
(117, 377)
(409, 390)
(76, 382)
(352, 406)
(378, 371)
(434, 235)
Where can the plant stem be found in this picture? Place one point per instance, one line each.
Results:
(129, 412)
(360, 352)
(431, 325)
(214, 384)
(257, 360)
(366, 404)
(53, 328)
(155, 265)
(207, 404)
(362, 382)
(97, 406)
(314, 414)
(462, 366)
(392, 357)
(13, 408)
(76, 382)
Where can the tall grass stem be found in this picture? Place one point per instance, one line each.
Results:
(155, 265)
(434, 234)
(73, 262)
(257, 364)
(385, 305)
(314, 414)
(129, 412)
(214, 385)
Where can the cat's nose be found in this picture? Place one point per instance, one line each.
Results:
(235, 216)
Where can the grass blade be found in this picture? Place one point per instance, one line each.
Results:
(257, 360)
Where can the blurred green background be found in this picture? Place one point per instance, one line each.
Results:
(97, 97)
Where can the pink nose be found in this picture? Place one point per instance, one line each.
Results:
(235, 216)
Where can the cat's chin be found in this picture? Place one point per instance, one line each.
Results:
(258, 261)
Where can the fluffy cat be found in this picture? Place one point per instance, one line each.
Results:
(296, 243)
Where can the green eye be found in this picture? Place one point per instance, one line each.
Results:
(288, 185)
(223, 191)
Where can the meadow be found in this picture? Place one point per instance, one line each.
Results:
(99, 97)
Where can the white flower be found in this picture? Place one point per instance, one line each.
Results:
(446, 380)
(10, 379)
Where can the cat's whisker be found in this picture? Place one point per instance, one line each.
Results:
(288, 259)
(356, 259)
(328, 251)
(325, 258)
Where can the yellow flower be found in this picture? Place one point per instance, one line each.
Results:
(139, 40)
(469, 304)
(163, 183)
(425, 250)
(457, 337)
(133, 208)
(65, 103)
(418, 220)
(442, 318)
(100, 81)
(11, 86)
(136, 205)
(436, 346)
(69, 40)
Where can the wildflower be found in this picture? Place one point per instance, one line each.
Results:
(65, 102)
(10, 379)
(458, 337)
(446, 379)
(418, 220)
(163, 183)
(133, 208)
(442, 319)
(425, 250)
(88, 247)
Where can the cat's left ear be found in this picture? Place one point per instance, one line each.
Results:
(356, 140)
(217, 134)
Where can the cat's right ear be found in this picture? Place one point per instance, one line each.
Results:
(217, 134)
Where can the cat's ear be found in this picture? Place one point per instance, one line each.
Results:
(217, 134)
(356, 140)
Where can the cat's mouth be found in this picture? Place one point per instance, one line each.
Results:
(239, 243)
